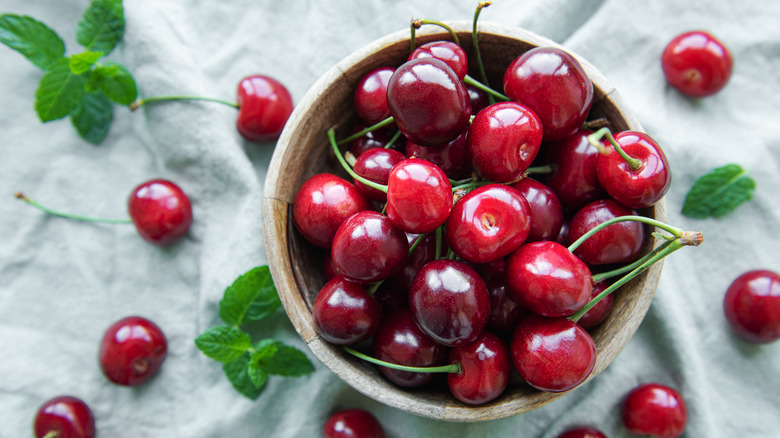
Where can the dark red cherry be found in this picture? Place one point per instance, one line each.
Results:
(391, 297)
(344, 313)
(428, 102)
(375, 165)
(546, 209)
(371, 95)
(453, 158)
(424, 252)
(64, 417)
(353, 423)
(400, 341)
(752, 306)
(505, 312)
(368, 248)
(654, 409)
(449, 301)
(322, 204)
(419, 196)
(582, 432)
(697, 64)
(548, 279)
(553, 84)
(552, 354)
(479, 99)
(132, 351)
(574, 177)
(160, 211)
(378, 138)
(264, 105)
(637, 186)
(486, 367)
(618, 243)
(504, 139)
(600, 312)
(488, 223)
(328, 269)
(452, 54)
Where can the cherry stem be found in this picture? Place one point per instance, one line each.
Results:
(676, 232)
(371, 128)
(475, 38)
(437, 253)
(451, 368)
(52, 434)
(79, 217)
(595, 140)
(393, 139)
(490, 92)
(541, 170)
(347, 167)
(416, 24)
(471, 185)
(371, 290)
(141, 102)
(622, 270)
(601, 122)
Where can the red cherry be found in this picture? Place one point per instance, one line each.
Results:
(322, 204)
(485, 370)
(552, 354)
(453, 158)
(582, 432)
(696, 64)
(371, 95)
(505, 312)
(160, 211)
(378, 138)
(546, 209)
(353, 423)
(264, 105)
(345, 313)
(424, 252)
(419, 196)
(479, 99)
(553, 84)
(654, 409)
(597, 314)
(617, 243)
(574, 178)
(504, 139)
(375, 165)
(132, 351)
(428, 101)
(64, 417)
(452, 54)
(752, 306)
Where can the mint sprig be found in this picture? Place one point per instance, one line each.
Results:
(252, 297)
(719, 192)
(78, 85)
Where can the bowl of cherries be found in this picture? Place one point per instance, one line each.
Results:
(446, 217)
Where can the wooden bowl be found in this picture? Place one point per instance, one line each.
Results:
(296, 266)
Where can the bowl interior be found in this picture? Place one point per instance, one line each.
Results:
(296, 266)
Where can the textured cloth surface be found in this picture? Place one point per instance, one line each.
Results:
(63, 282)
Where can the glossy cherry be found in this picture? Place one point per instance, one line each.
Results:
(419, 196)
(546, 209)
(453, 158)
(428, 101)
(599, 313)
(582, 432)
(368, 248)
(160, 211)
(505, 311)
(371, 95)
(486, 367)
(553, 84)
(322, 204)
(548, 279)
(64, 417)
(488, 223)
(617, 243)
(449, 52)
(504, 139)
(574, 178)
(264, 105)
(450, 302)
(654, 409)
(752, 306)
(375, 165)
(423, 252)
(400, 341)
(697, 64)
(344, 313)
(353, 423)
(378, 138)
(132, 351)
(479, 99)
(552, 354)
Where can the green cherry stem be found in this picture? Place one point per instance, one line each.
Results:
(347, 167)
(630, 267)
(475, 39)
(52, 434)
(371, 128)
(79, 217)
(490, 92)
(545, 169)
(143, 101)
(417, 23)
(437, 253)
(678, 233)
(595, 140)
(393, 139)
(451, 368)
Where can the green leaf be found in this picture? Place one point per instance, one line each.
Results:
(116, 82)
(92, 117)
(257, 375)
(251, 297)
(223, 343)
(237, 371)
(277, 358)
(101, 26)
(719, 192)
(82, 62)
(59, 91)
(33, 39)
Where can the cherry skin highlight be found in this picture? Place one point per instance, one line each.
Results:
(66, 417)
(654, 409)
(449, 52)
(132, 351)
(752, 306)
(264, 105)
(353, 423)
(697, 64)
(371, 95)
(485, 370)
(419, 196)
(160, 211)
(345, 313)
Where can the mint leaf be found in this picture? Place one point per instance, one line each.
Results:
(116, 82)
(237, 371)
(277, 358)
(257, 375)
(33, 39)
(719, 192)
(251, 297)
(101, 26)
(223, 343)
(59, 91)
(82, 62)
(92, 117)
